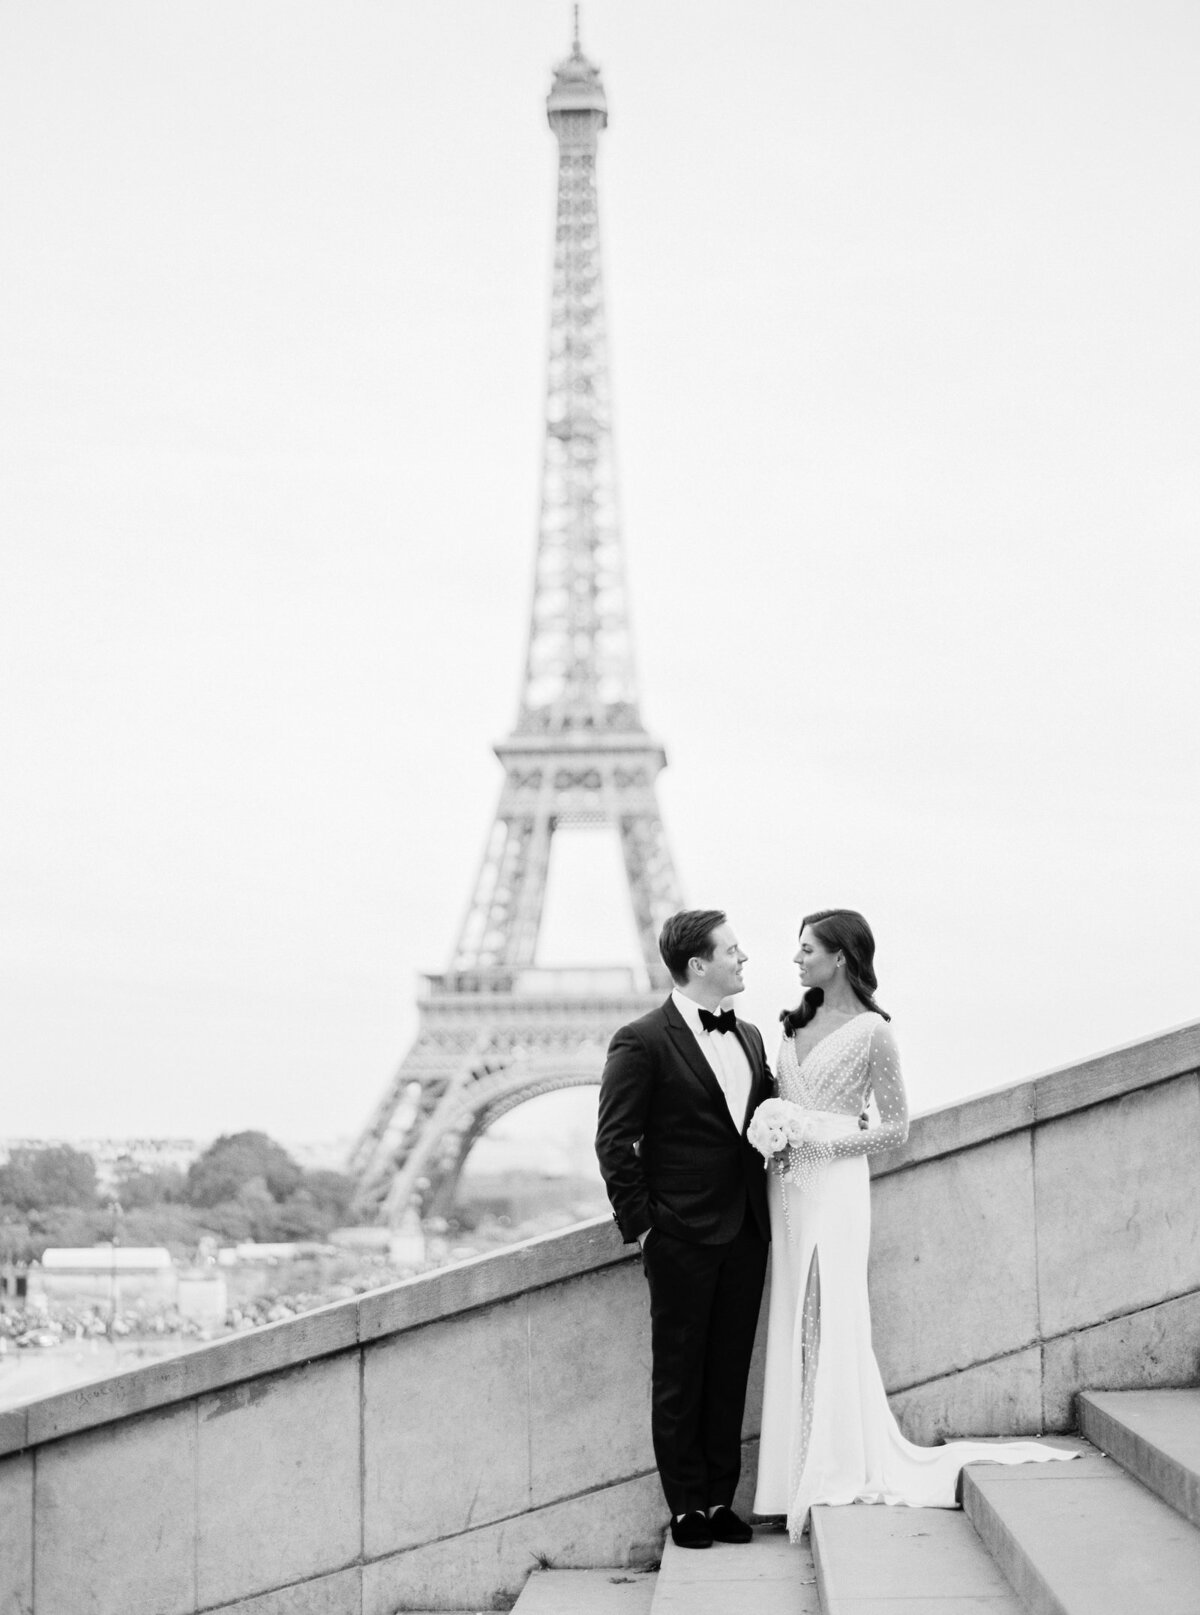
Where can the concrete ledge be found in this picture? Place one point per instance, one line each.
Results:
(1075, 1087)
(485, 1280)
(276, 1347)
(345, 1325)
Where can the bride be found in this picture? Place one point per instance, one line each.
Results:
(828, 1435)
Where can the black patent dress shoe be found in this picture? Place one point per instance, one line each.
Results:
(691, 1531)
(725, 1526)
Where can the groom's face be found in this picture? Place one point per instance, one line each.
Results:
(723, 971)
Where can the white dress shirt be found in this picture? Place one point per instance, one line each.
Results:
(724, 1053)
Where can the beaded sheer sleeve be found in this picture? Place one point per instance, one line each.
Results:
(834, 1081)
(886, 1086)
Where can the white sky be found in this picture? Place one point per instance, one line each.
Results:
(904, 303)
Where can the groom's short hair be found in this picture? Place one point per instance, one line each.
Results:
(688, 935)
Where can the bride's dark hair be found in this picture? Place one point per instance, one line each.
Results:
(834, 929)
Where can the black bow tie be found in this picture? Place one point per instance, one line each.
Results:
(724, 1022)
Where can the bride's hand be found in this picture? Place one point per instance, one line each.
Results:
(807, 1129)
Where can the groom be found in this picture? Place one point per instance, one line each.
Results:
(678, 1089)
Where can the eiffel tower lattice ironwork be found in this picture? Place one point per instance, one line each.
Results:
(495, 1029)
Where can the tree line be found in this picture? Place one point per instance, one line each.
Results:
(243, 1186)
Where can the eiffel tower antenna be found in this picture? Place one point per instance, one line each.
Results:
(495, 1029)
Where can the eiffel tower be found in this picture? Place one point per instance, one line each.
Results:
(496, 1029)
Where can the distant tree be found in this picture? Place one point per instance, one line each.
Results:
(69, 1226)
(332, 1192)
(15, 1241)
(302, 1217)
(37, 1179)
(237, 1159)
(228, 1220)
(177, 1227)
(261, 1208)
(136, 1185)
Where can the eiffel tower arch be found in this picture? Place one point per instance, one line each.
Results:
(496, 1029)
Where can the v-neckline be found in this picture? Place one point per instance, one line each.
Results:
(821, 1041)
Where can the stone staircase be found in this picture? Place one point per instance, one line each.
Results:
(1120, 1537)
(1115, 1533)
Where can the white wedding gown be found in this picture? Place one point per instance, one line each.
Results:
(828, 1435)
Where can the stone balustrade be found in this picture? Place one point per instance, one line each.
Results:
(421, 1447)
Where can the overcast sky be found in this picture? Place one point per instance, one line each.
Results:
(904, 306)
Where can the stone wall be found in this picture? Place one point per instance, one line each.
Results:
(422, 1447)
(1041, 1239)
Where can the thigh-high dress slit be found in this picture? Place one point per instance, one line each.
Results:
(828, 1434)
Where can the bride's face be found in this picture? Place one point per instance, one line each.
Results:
(818, 966)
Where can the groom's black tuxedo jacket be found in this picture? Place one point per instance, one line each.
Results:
(671, 1154)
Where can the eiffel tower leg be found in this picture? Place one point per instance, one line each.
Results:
(409, 1185)
(445, 1190)
(530, 893)
(484, 937)
(437, 1066)
(367, 1145)
(505, 915)
(653, 885)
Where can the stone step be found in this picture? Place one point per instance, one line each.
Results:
(587, 1592)
(905, 1561)
(1084, 1539)
(1155, 1435)
(769, 1576)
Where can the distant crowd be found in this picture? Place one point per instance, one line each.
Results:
(54, 1323)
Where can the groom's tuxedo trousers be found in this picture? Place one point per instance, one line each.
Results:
(677, 1163)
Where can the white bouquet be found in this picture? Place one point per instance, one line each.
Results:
(777, 1125)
